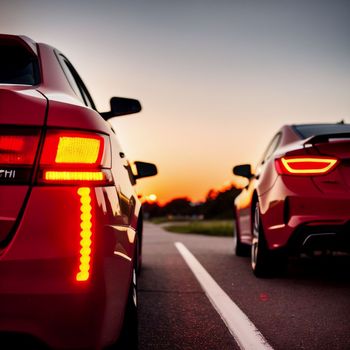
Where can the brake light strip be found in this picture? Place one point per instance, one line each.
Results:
(85, 234)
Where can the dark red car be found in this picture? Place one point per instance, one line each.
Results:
(70, 220)
(298, 199)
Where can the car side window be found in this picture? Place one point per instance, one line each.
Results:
(76, 82)
(70, 78)
(272, 147)
(87, 100)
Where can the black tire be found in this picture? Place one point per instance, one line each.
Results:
(128, 339)
(239, 248)
(139, 256)
(264, 262)
(15, 341)
(139, 244)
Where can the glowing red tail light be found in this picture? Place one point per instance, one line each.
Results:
(74, 175)
(85, 234)
(75, 157)
(68, 148)
(308, 165)
(18, 149)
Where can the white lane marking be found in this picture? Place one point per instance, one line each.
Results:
(243, 330)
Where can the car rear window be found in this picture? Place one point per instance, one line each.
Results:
(17, 64)
(309, 130)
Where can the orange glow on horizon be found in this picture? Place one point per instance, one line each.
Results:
(165, 194)
(239, 182)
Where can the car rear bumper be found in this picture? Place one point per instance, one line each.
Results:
(327, 237)
(39, 292)
(71, 321)
(310, 219)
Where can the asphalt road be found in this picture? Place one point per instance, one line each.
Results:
(309, 308)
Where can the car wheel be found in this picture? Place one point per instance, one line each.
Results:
(240, 249)
(139, 245)
(128, 339)
(260, 254)
(264, 262)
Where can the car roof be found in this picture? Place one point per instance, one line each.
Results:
(29, 43)
(308, 130)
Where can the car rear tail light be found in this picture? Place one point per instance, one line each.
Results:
(74, 176)
(85, 234)
(18, 149)
(73, 148)
(305, 165)
(75, 157)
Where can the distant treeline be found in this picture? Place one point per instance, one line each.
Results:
(218, 205)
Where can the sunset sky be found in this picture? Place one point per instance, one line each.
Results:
(216, 78)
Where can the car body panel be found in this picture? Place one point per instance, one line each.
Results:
(289, 204)
(21, 105)
(41, 225)
(9, 209)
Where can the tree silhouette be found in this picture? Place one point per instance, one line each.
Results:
(218, 205)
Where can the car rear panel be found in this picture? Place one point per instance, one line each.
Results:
(43, 225)
(40, 294)
(337, 181)
(41, 249)
(21, 106)
(41, 257)
(12, 200)
(294, 204)
(22, 115)
(313, 203)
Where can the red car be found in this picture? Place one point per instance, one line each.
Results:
(298, 199)
(70, 220)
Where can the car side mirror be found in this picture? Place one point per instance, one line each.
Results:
(243, 170)
(122, 106)
(145, 170)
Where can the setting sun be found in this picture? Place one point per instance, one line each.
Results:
(152, 197)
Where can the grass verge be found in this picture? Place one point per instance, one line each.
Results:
(205, 227)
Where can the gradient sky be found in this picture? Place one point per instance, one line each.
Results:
(216, 78)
